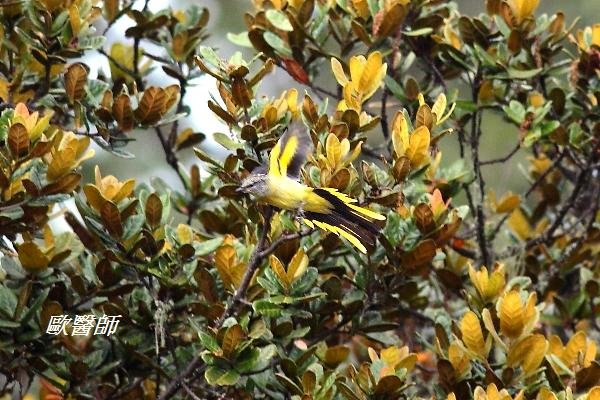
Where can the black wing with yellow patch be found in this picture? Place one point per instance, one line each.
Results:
(289, 154)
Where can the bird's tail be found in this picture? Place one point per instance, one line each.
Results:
(345, 219)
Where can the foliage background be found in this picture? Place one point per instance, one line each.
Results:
(227, 16)
(150, 163)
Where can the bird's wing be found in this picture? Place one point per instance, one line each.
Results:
(289, 154)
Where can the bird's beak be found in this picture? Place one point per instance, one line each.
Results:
(239, 190)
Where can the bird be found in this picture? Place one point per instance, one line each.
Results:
(278, 184)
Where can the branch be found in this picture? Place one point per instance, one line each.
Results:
(543, 176)
(503, 159)
(170, 155)
(260, 253)
(385, 129)
(582, 179)
(257, 256)
(474, 142)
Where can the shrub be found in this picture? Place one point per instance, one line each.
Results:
(466, 294)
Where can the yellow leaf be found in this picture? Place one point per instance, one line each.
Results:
(508, 203)
(32, 258)
(418, 148)
(362, 8)
(372, 75)
(184, 234)
(62, 161)
(546, 394)
(528, 353)
(520, 225)
(391, 356)
(488, 286)
(594, 393)
(279, 271)
(74, 19)
(536, 99)
(230, 271)
(511, 314)
(334, 150)
(576, 344)
(357, 65)
(459, 360)
(400, 139)
(472, 335)
(338, 72)
(297, 266)
(439, 106)
(523, 8)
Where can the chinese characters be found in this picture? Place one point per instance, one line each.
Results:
(83, 325)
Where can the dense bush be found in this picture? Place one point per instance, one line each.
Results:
(466, 294)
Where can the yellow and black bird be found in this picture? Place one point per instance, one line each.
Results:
(278, 184)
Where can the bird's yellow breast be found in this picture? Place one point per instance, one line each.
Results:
(289, 194)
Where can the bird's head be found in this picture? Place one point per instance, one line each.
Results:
(255, 183)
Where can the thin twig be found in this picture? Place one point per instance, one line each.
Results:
(544, 174)
(385, 129)
(502, 159)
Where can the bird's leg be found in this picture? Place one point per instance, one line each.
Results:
(300, 213)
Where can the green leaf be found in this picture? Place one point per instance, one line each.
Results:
(418, 32)
(394, 87)
(277, 43)
(8, 301)
(240, 39)
(208, 54)
(305, 282)
(208, 246)
(35, 306)
(515, 111)
(523, 74)
(247, 361)
(9, 324)
(225, 141)
(208, 341)
(5, 122)
(91, 42)
(217, 376)
(266, 308)
(279, 20)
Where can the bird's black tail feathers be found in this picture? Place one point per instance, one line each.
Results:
(346, 218)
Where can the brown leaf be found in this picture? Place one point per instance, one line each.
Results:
(421, 255)
(111, 218)
(32, 258)
(424, 218)
(391, 21)
(233, 336)
(241, 93)
(75, 80)
(336, 355)
(66, 184)
(151, 106)
(49, 309)
(224, 115)
(153, 210)
(340, 180)
(424, 116)
(18, 140)
(122, 112)
(588, 377)
(171, 97)
(206, 283)
(82, 233)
